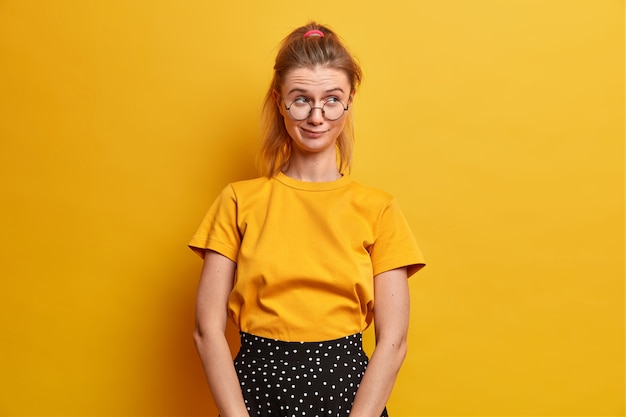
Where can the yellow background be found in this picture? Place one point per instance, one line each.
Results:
(498, 124)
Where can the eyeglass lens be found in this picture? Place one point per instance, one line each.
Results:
(301, 109)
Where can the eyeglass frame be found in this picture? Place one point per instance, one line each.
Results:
(345, 109)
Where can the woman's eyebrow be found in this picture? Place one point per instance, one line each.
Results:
(304, 91)
(297, 90)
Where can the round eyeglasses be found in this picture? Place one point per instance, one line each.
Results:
(301, 108)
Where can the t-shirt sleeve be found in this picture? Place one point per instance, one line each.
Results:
(395, 244)
(218, 230)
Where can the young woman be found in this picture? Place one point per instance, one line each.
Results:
(304, 258)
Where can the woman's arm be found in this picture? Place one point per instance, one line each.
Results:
(391, 318)
(216, 283)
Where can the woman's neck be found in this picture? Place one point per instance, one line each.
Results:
(312, 168)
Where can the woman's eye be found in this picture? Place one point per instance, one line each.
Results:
(332, 100)
(301, 100)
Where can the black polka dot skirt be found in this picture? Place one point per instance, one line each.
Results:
(300, 379)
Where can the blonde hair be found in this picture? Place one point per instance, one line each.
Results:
(298, 51)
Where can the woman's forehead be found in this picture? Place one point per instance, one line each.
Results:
(318, 79)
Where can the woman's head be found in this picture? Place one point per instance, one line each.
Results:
(309, 47)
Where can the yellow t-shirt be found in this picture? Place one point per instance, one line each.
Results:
(306, 254)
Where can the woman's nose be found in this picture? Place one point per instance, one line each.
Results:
(316, 117)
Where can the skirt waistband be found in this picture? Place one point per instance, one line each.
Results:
(257, 346)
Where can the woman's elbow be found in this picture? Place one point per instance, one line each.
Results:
(396, 349)
(198, 336)
(206, 333)
(401, 349)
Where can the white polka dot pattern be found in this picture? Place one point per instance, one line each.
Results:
(300, 379)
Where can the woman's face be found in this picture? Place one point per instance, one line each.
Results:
(317, 86)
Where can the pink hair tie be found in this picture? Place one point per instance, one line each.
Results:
(314, 33)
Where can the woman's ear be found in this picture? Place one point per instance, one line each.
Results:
(279, 102)
(276, 98)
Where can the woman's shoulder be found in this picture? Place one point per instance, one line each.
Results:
(249, 183)
(370, 193)
(247, 186)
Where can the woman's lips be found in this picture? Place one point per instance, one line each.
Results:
(313, 133)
